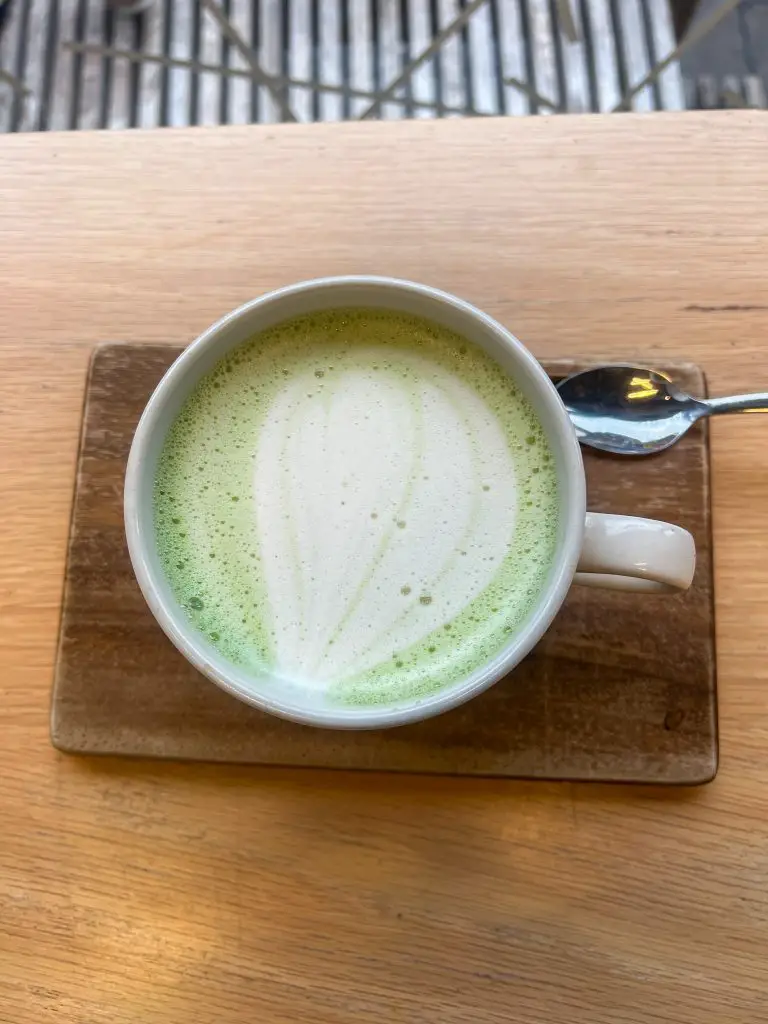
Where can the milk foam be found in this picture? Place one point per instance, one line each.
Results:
(360, 502)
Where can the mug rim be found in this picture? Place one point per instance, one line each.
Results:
(184, 636)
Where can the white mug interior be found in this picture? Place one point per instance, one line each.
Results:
(264, 690)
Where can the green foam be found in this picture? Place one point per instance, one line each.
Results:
(206, 530)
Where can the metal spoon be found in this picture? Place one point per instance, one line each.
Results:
(631, 410)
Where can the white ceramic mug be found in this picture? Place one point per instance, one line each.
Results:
(620, 552)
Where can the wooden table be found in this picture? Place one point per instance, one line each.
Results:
(153, 893)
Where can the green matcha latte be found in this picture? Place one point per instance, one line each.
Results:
(360, 503)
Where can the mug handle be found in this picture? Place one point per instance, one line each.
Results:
(629, 553)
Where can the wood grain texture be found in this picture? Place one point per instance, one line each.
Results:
(621, 688)
(168, 893)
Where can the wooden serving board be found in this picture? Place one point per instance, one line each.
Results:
(621, 688)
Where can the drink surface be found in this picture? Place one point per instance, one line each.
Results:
(358, 502)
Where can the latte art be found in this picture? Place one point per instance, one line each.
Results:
(360, 503)
(365, 550)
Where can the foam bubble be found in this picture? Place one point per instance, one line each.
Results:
(375, 541)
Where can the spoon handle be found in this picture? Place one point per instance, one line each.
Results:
(737, 403)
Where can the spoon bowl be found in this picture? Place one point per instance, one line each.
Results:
(632, 410)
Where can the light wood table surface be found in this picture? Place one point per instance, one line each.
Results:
(146, 893)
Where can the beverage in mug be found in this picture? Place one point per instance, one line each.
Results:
(360, 502)
(357, 502)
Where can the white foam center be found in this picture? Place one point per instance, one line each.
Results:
(384, 503)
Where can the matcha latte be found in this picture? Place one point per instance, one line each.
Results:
(359, 503)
